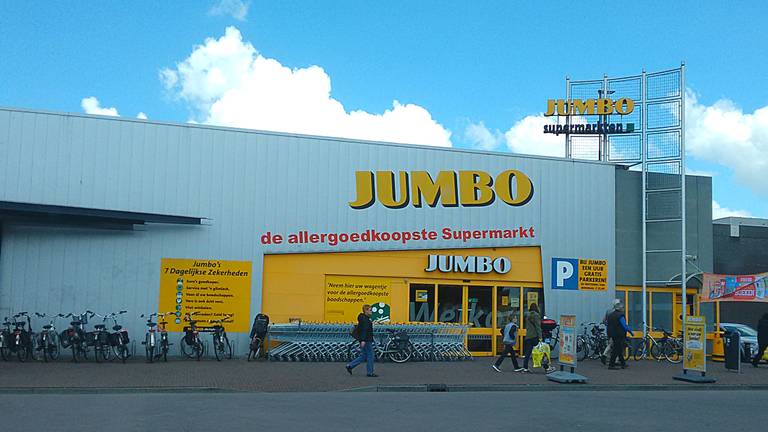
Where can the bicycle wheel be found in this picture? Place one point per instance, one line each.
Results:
(121, 351)
(198, 349)
(21, 353)
(218, 347)
(4, 354)
(582, 346)
(186, 349)
(149, 350)
(398, 353)
(627, 352)
(641, 351)
(54, 343)
(75, 351)
(672, 353)
(164, 347)
(227, 347)
(656, 352)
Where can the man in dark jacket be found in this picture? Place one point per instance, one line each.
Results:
(365, 336)
(617, 330)
(762, 339)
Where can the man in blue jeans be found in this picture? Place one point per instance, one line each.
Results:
(365, 336)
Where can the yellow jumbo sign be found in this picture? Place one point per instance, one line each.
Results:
(212, 288)
(603, 106)
(346, 295)
(450, 188)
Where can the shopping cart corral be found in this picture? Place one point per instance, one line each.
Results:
(324, 342)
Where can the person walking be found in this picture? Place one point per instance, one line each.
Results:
(617, 331)
(609, 344)
(532, 335)
(762, 339)
(365, 336)
(509, 337)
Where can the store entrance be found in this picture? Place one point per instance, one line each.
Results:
(486, 308)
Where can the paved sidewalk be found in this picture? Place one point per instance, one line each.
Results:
(264, 376)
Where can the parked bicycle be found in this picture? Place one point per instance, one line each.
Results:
(668, 347)
(221, 346)
(74, 337)
(191, 344)
(5, 339)
(48, 340)
(118, 340)
(154, 348)
(21, 338)
(99, 340)
(397, 347)
(258, 335)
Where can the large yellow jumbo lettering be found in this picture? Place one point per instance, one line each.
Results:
(523, 187)
(475, 188)
(365, 193)
(604, 106)
(625, 106)
(444, 188)
(387, 195)
(583, 107)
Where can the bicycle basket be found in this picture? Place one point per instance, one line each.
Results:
(124, 335)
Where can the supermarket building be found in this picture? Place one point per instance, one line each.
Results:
(109, 214)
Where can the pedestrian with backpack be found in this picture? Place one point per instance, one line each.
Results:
(509, 334)
(364, 334)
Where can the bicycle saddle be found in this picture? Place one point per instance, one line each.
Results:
(75, 323)
(99, 326)
(117, 327)
(151, 324)
(47, 327)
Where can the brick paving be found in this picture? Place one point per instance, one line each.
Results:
(239, 375)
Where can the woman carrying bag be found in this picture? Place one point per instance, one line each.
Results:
(532, 335)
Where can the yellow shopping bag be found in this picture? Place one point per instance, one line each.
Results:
(540, 354)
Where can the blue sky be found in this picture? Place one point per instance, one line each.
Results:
(466, 74)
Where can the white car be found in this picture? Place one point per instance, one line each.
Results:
(748, 336)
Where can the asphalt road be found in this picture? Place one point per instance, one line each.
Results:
(700, 411)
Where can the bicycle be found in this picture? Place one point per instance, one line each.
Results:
(21, 341)
(221, 345)
(191, 345)
(150, 339)
(99, 340)
(667, 348)
(48, 340)
(5, 340)
(259, 332)
(118, 340)
(397, 347)
(74, 337)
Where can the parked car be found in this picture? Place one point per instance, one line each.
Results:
(748, 337)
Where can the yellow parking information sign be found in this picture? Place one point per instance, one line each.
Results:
(695, 344)
(212, 288)
(593, 275)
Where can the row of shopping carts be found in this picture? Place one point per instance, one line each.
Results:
(328, 342)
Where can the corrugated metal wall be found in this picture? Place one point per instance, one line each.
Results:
(249, 183)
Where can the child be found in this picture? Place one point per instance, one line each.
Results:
(510, 336)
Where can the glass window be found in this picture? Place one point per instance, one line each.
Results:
(422, 303)
(634, 309)
(662, 310)
(708, 312)
(449, 299)
(480, 306)
(507, 305)
(534, 295)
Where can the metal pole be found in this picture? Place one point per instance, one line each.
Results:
(682, 190)
(604, 138)
(644, 153)
(568, 149)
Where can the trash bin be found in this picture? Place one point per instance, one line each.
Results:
(732, 350)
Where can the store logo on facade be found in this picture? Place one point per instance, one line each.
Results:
(468, 264)
(579, 107)
(449, 188)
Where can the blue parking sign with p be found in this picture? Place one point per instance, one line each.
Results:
(565, 273)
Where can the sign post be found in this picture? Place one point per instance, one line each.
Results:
(695, 351)
(567, 357)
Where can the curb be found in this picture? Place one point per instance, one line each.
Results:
(429, 388)
(110, 390)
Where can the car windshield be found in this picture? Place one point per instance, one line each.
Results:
(743, 330)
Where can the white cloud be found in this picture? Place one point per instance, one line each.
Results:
(237, 9)
(227, 82)
(91, 105)
(721, 212)
(141, 116)
(527, 136)
(480, 137)
(722, 133)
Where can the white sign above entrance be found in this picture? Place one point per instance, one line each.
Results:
(468, 264)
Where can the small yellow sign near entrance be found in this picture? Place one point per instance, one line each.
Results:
(213, 288)
(532, 297)
(345, 296)
(593, 275)
(695, 344)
